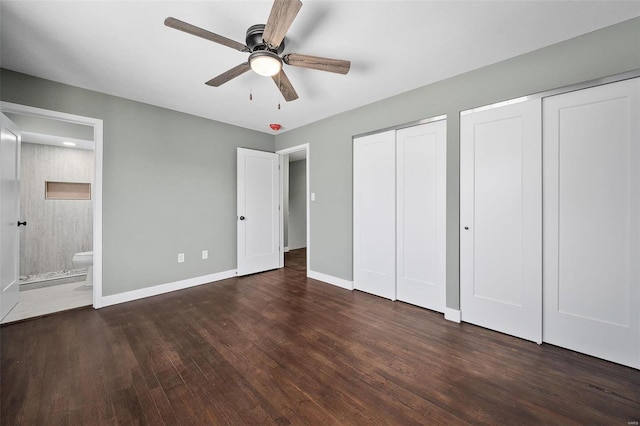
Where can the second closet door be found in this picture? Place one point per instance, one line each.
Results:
(374, 219)
(592, 221)
(421, 215)
(501, 218)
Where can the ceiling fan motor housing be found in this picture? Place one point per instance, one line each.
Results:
(255, 42)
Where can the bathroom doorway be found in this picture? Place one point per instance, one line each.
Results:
(294, 167)
(60, 199)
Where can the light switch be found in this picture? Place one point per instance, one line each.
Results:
(180, 257)
(313, 196)
(205, 254)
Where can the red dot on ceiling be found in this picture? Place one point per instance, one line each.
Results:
(275, 126)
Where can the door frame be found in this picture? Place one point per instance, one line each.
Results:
(97, 125)
(282, 153)
(13, 289)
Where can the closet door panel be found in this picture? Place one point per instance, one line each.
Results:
(374, 214)
(421, 215)
(500, 205)
(498, 208)
(592, 221)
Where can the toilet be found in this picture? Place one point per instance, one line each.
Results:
(85, 259)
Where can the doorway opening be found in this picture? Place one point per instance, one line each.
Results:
(61, 201)
(294, 208)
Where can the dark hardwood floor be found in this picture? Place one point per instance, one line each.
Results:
(296, 259)
(278, 348)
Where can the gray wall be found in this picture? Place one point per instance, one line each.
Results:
(56, 229)
(169, 183)
(605, 52)
(297, 205)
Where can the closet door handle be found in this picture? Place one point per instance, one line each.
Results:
(22, 223)
(466, 228)
(242, 218)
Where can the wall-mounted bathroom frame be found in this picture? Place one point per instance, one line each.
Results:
(97, 125)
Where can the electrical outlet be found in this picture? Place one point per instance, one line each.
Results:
(180, 257)
(205, 254)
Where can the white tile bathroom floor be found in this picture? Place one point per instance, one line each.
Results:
(46, 300)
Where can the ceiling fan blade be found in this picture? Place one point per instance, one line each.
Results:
(283, 12)
(229, 75)
(285, 86)
(199, 32)
(317, 63)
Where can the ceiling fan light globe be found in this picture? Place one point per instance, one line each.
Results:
(265, 63)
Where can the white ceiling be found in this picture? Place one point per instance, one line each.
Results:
(122, 48)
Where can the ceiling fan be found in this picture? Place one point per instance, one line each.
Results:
(265, 44)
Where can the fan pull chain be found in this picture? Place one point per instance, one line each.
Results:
(279, 89)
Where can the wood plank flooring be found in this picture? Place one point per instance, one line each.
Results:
(278, 348)
(296, 259)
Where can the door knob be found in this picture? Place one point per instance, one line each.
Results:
(241, 217)
(466, 227)
(22, 223)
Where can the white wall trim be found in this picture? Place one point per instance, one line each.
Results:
(342, 283)
(156, 290)
(97, 125)
(286, 250)
(452, 315)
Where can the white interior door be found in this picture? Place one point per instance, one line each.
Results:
(374, 219)
(501, 219)
(258, 217)
(592, 221)
(9, 215)
(421, 215)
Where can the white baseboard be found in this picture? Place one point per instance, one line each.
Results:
(286, 249)
(330, 280)
(452, 314)
(128, 296)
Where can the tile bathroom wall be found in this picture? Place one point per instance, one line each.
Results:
(56, 229)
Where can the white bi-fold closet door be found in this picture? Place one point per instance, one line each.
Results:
(591, 220)
(501, 219)
(421, 215)
(374, 214)
(400, 214)
(580, 229)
